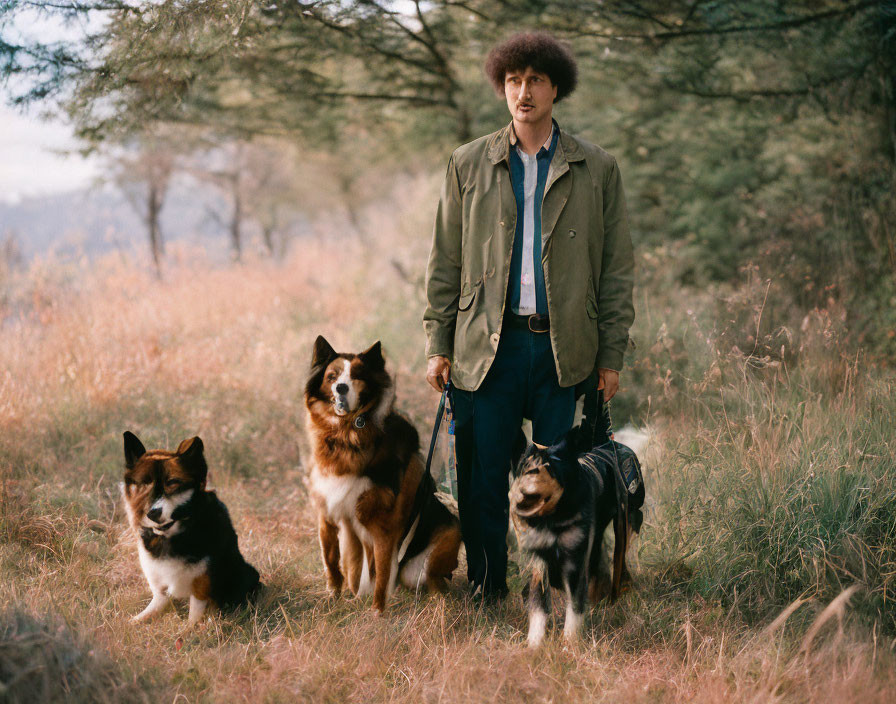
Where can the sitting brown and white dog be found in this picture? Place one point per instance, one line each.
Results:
(186, 542)
(379, 519)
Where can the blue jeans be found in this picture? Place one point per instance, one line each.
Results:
(521, 383)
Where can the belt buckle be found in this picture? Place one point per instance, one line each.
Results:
(534, 316)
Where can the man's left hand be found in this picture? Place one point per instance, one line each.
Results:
(608, 380)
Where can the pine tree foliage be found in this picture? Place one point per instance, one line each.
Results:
(754, 131)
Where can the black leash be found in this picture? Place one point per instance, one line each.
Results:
(427, 485)
(435, 429)
(598, 420)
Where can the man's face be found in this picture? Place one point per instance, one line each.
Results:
(530, 95)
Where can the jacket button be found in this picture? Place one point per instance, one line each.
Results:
(494, 339)
(501, 223)
(572, 233)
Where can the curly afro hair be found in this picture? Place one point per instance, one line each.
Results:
(541, 52)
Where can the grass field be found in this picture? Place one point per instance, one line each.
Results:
(766, 570)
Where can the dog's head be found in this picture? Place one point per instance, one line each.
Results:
(344, 383)
(158, 485)
(540, 479)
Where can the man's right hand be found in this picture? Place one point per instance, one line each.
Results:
(438, 371)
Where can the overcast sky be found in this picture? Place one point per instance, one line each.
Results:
(30, 160)
(31, 163)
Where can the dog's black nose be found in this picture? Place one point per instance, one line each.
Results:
(154, 514)
(342, 389)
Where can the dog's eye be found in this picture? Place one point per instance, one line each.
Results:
(173, 483)
(331, 377)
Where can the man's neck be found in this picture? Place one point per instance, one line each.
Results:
(531, 137)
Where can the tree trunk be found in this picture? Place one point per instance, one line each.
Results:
(236, 222)
(153, 211)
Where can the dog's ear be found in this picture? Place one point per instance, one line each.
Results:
(191, 454)
(577, 440)
(373, 356)
(525, 453)
(323, 353)
(190, 447)
(133, 449)
(561, 450)
(563, 456)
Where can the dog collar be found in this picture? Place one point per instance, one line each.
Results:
(360, 421)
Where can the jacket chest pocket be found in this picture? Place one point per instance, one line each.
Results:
(466, 301)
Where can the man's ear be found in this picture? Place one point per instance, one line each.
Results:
(133, 449)
(323, 353)
(373, 356)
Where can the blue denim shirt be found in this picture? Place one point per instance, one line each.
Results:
(517, 178)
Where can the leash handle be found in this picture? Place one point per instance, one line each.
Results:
(435, 429)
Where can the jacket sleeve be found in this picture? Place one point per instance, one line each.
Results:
(616, 311)
(444, 268)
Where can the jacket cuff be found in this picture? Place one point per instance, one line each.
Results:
(439, 340)
(610, 359)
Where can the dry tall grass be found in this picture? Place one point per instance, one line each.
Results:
(768, 488)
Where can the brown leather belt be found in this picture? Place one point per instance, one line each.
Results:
(537, 322)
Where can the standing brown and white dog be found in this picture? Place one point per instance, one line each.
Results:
(378, 514)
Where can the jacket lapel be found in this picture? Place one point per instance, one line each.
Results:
(556, 189)
(558, 186)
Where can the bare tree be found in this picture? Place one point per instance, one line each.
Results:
(143, 172)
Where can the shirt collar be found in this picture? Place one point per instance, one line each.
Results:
(547, 145)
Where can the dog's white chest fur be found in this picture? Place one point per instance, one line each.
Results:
(170, 576)
(340, 494)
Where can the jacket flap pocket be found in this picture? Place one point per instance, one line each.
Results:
(591, 307)
(466, 300)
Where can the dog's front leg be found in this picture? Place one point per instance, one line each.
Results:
(197, 610)
(353, 559)
(575, 580)
(386, 560)
(158, 605)
(329, 546)
(539, 603)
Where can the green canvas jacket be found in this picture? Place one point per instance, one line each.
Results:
(586, 255)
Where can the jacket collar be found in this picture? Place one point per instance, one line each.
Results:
(568, 148)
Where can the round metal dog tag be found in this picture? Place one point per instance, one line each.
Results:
(360, 422)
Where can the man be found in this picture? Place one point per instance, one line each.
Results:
(529, 287)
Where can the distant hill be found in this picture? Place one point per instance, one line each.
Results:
(100, 220)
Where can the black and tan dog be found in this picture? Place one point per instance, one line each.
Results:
(186, 542)
(561, 502)
(378, 517)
